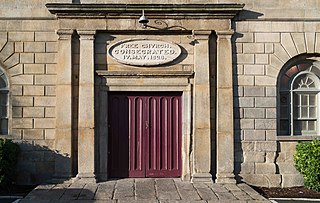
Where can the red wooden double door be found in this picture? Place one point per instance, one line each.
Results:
(144, 134)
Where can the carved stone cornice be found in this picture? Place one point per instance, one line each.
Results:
(65, 34)
(172, 11)
(86, 34)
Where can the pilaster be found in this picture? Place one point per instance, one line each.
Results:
(86, 127)
(63, 134)
(225, 136)
(201, 112)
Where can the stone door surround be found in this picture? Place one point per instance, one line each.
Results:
(203, 20)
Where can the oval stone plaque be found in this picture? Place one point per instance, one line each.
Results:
(144, 52)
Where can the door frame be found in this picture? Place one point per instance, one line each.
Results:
(131, 84)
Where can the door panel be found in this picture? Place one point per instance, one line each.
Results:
(118, 136)
(150, 128)
(164, 144)
(136, 136)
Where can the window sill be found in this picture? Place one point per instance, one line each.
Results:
(298, 138)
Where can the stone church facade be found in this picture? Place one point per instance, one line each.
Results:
(218, 91)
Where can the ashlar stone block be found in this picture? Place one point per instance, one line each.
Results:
(247, 168)
(7, 51)
(244, 37)
(310, 41)
(245, 58)
(257, 157)
(247, 146)
(44, 123)
(16, 112)
(22, 80)
(254, 113)
(266, 146)
(49, 134)
(281, 53)
(245, 80)
(244, 102)
(287, 168)
(246, 123)
(265, 168)
(34, 47)
(22, 101)
(45, 79)
(291, 180)
(252, 91)
(317, 45)
(288, 44)
(16, 70)
(34, 68)
(254, 135)
(249, 48)
(267, 37)
(261, 58)
(33, 134)
(22, 123)
(254, 69)
(3, 39)
(33, 112)
(265, 102)
(45, 58)
(44, 101)
(299, 41)
(46, 36)
(33, 90)
(265, 124)
(21, 36)
(51, 47)
(271, 157)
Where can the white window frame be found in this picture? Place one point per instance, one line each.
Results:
(5, 91)
(300, 91)
(313, 72)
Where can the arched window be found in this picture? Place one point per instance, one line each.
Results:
(299, 99)
(4, 98)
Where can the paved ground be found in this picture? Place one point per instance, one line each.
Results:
(144, 191)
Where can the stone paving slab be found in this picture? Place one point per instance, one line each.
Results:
(143, 190)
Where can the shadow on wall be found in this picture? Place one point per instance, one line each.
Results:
(36, 163)
(238, 92)
(247, 15)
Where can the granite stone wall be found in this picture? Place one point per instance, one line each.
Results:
(267, 35)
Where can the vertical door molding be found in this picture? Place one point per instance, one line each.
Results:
(63, 132)
(201, 111)
(225, 137)
(86, 127)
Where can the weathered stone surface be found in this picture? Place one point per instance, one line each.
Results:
(291, 180)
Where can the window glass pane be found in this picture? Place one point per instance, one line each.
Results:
(3, 83)
(285, 82)
(3, 99)
(297, 127)
(284, 127)
(296, 99)
(312, 125)
(284, 99)
(296, 112)
(312, 99)
(3, 111)
(4, 126)
(304, 125)
(283, 112)
(312, 112)
(304, 112)
(304, 99)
